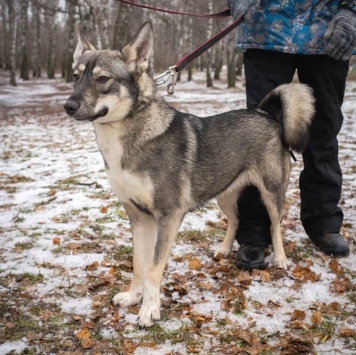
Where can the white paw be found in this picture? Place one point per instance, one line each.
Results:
(149, 312)
(126, 299)
(281, 263)
(221, 252)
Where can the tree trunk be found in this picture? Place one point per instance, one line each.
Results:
(71, 6)
(36, 57)
(11, 4)
(240, 60)
(24, 50)
(51, 69)
(231, 67)
(209, 80)
(5, 50)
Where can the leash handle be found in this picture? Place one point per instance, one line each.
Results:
(221, 14)
(188, 58)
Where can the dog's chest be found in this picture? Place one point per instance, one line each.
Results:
(127, 185)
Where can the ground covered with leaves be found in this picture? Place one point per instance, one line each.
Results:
(66, 249)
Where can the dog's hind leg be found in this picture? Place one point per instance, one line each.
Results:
(274, 208)
(144, 229)
(168, 226)
(228, 205)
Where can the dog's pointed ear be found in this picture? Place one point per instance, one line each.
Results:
(82, 46)
(138, 51)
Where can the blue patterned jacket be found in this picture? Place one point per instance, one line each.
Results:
(290, 26)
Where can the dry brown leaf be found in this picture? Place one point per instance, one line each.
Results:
(83, 334)
(305, 274)
(56, 241)
(194, 264)
(347, 332)
(9, 325)
(316, 318)
(104, 209)
(205, 286)
(298, 315)
(34, 336)
(87, 343)
(263, 275)
(92, 267)
(336, 268)
(297, 346)
(134, 309)
(297, 324)
(341, 285)
(129, 346)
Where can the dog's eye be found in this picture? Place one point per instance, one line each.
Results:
(102, 79)
(75, 77)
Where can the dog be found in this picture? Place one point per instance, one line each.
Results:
(162, 163)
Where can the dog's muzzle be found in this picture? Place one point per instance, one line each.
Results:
(72, 107)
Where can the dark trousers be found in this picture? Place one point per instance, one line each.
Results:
(321, 179)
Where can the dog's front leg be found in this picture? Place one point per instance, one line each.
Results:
(144, 229)
(168, 226)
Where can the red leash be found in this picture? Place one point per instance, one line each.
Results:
(188, 58)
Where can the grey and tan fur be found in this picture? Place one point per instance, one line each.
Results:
(162, 163)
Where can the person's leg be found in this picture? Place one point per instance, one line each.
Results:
(321, 179)
(264, 71)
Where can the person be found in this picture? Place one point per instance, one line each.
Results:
(316, 39)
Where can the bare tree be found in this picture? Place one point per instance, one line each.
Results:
(209, 32)
(11, 5)
(51, 68)
(24, 74)
(71, 19)
(36, 49)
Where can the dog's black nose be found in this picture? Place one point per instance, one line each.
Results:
(71, 107)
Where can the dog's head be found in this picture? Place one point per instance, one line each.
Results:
(109, 85)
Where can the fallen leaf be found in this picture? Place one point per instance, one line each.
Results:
(336, 268)
(83, 334)
(103, 209)
(92, 267)
(87, 343)
(341, 285)
(297, 324)
(205, 286)
(305, 274)
(194, 264)
(298, 315)
(263, 275)
(56, 241)
(316, 318)
(347, 332)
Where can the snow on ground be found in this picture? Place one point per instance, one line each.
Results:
(66, 249)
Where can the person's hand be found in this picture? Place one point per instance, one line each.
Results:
(245, 8)
(340, 36)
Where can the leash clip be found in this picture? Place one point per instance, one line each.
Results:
(162, 79)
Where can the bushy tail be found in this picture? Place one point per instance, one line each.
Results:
(293, 106)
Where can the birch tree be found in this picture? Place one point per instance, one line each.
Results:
(209, 33)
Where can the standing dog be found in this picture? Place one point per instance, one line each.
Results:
(162, 163)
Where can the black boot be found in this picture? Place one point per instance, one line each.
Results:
(332, 244)
(250, 257)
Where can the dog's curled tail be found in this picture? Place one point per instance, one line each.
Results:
(293, 106)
